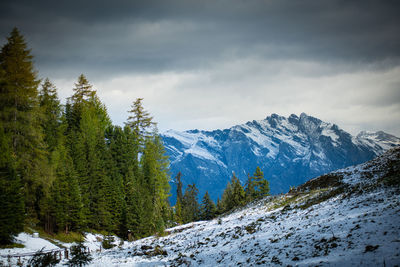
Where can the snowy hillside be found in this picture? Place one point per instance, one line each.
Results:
(350, 217)
(288, 150)
(347, 218)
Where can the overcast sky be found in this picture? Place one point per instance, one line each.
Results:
(210, 64)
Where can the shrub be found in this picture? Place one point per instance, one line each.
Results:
(108, 242)
(41, 259)
(80, 256)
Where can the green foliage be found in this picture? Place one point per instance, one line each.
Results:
(79, 256)
(11, 209)
(233, 195)
(179, 199)
(107, 242)
(140, 121)
(208, 208)
(190, 206)
(41, 259)
(51, 114)
(66, 197)
(179, 194)
(257, 186)
(70, 237)
(155, 186)
(11, 195)
(68, 168)
(20, 117)
(12, 245)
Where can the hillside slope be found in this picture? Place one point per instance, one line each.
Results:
(350, 217)
(347, 218)
(288, 150)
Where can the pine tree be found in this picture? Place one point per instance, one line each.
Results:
(155, 182)
(233, 195)
(179, 199)
(65, 196)
(220, 208)
(95, 184)
(18, 90)
(208, 209)
(250, 189)
(52, 123)
(227, 198)
(83, 95)
(87, 121)
(11, 195)
(190, 206)
(257, 186)
(179, 194)
(52, 113)
(19, 115)
(238, 193)
(178, 212)
(140, 121)
(83, 91)
(123, 169)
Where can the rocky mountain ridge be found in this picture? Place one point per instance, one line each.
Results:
(289, 151)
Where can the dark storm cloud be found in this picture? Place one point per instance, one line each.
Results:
(145, 36)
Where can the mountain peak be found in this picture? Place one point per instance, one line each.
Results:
(288, 150)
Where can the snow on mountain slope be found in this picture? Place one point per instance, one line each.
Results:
(350, 217)
(288, 150)
(347, 218)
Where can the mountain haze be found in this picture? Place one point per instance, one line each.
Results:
(288, 150)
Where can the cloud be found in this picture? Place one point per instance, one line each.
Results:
(104, 38)
(212, 64)
(238, 91)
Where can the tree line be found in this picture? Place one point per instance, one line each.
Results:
(188, 209)
(67, 168)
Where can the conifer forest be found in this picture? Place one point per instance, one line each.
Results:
(67, 168)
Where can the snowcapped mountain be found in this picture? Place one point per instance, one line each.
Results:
(288, 150)
(346, 218)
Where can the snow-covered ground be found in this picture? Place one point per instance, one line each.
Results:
(31, 244)
(354, 224)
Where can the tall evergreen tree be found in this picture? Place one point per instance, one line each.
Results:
(65, 196)
(52, 113)
(190, 206)
(179, 198)
(11, 195)
(83, 91)
(84, 94)
(250, 189)
(155, 182)
(238, 196)
(257, 186)
(226, 199)
(87, 121)
(18, 91)
(52, 123)
(140, 121)
(179, 194)
(123, 169)
(233, 195)
(19, 115)
(208, 209)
